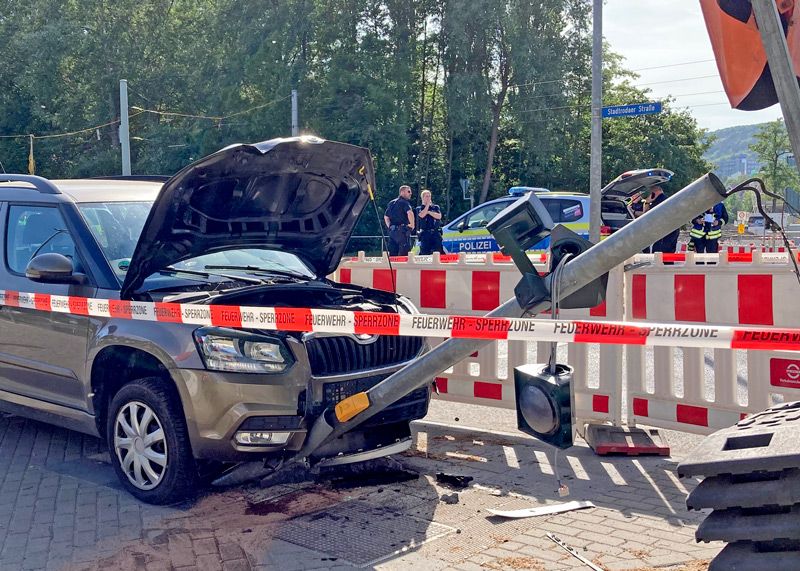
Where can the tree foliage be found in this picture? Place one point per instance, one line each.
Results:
(492, 91)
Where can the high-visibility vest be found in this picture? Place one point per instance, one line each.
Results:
(697, 231)
(740, 55)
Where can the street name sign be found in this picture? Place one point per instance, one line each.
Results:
(632, 109)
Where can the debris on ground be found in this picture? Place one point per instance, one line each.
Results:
(515, 563)
(573, 552)
(467, 457)
(450, 498)
(542, 510)
(379, 472)
(453, 480)
(294, 503)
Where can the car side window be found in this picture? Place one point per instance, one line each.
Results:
(482, 216)
(563, 210)
(33, 230)
(571, 210)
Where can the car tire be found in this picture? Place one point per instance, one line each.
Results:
(151, 455)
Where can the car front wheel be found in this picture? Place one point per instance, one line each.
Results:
(149, 444)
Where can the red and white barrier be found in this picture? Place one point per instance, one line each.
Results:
(477, 283)
(750, 289)
(740, 288)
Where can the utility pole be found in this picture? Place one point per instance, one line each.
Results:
(596, 156)
(781, 68)
(124, 127)
(295, 127)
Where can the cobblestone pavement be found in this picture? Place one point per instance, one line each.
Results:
(62, 508)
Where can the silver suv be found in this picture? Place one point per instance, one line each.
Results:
(256, 225)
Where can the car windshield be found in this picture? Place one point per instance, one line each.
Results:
(117, 225)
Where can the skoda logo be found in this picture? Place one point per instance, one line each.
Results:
(793, 371)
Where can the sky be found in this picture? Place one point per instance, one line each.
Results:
(658, 33)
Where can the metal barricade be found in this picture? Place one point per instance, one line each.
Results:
(708, 393)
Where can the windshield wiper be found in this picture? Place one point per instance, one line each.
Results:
(257, 269)
(172, 270)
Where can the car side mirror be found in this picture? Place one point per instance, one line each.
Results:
(52, 268)
(462, 226)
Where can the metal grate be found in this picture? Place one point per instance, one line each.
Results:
(339, 355)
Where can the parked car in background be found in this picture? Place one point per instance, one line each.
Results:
(755, 223)
(468, 232)
(255, 225)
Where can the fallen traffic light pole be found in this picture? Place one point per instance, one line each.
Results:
(527, 221)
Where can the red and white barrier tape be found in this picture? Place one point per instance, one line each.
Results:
(363, 322)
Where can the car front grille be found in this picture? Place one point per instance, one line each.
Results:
(342, 355)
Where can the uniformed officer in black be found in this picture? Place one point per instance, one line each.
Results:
(669, 243)
(430, 223)
(399, 219)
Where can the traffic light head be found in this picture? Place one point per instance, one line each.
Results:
(544, 402)
(521, 226)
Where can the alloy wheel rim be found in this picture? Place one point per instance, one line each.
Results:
(140, 445)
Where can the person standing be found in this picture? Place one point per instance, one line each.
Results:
(707, 229)
(668, 243)
(430, 224)
(399, 219)
(715, 219)
(697, 236)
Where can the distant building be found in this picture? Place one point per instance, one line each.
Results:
(739, 164)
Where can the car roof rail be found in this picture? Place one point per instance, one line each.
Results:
(41, 184)
(142, 177)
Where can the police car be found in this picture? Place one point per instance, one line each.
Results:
(468, 232)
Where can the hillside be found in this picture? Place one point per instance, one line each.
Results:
(730, 151)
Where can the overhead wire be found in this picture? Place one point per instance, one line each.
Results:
(67, 134)
(210, 117)
(758, 191)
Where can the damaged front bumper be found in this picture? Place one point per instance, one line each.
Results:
(234, 418)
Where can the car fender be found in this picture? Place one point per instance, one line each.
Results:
(171, 343)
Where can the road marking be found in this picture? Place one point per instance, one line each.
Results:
(614, 474)
(511, 457)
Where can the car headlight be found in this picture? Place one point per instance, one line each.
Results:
(241, 352)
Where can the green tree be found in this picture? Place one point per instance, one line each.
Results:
(772, 147)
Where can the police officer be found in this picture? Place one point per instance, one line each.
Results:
(669, 243)
(707, 229)
(399, 219)
(430, 223)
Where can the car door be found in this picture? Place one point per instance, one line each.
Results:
(42, 353)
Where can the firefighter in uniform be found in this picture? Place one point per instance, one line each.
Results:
(399, 219)
(430, 225)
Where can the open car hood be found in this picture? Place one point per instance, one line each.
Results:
(301, 195)
(629, 183)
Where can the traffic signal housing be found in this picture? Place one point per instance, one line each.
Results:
(544, 402)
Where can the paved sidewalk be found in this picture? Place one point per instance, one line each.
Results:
(62, 508)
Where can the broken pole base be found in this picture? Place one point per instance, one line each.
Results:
(605, 439)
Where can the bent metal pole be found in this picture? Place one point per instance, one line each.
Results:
(684, 205)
